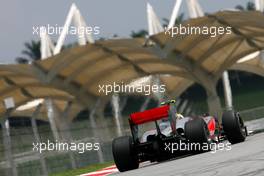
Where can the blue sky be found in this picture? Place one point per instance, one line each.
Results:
(120, 17)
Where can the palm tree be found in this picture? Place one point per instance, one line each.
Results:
(22, 60)
(31, 53)
(249, 7)
(139, 33)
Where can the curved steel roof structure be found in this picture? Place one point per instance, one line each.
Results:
(19, 83)
(255, 65)
(81, 70)
(60, 106)
(76, 73)
(205, 57)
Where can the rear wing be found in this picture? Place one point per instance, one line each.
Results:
(150, 115)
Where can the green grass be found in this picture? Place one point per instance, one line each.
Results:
(243, 99)
(247, 90)
(84, 170)
(249, 100)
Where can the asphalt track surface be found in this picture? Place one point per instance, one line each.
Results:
(244, 159)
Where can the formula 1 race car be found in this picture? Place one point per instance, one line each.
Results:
(171, 131)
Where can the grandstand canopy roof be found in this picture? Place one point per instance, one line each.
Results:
(18, 84)
(59, 104)
(87, 67)
(76, 73)
(213, 55)
(253, 65)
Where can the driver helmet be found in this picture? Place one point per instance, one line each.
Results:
(179, 116)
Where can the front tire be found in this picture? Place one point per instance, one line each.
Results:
(124, 155)
(233, 126)
(196, 132)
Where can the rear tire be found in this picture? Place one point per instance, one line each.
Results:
(124, 156)
(196, 131)
(233, 126)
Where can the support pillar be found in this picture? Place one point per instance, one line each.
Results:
(116, 113)
(99, 111)
(214, 104)
(227, 91)
(65, 130)
(145, 104)
(159, 95)
(183, 106)
(262, 57)
(51, 117)
(64, 123)
(11, 166)
(94, 127)
(37, 139)
(123, 103)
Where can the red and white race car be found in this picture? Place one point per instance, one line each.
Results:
(172, 130)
